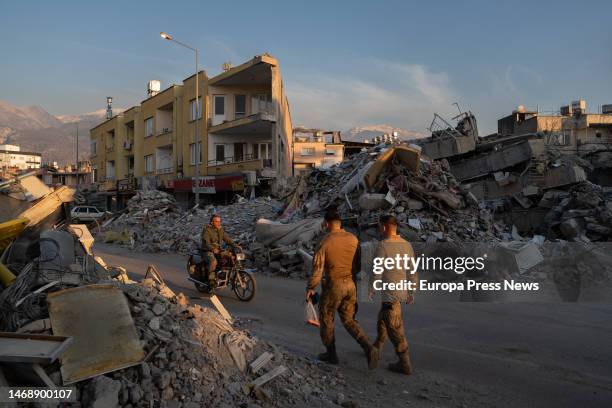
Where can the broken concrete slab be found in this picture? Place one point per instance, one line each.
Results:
(489, 162)
(571, 228)
(101, 392)
(368, 201)
(526, 255)
(408, 156)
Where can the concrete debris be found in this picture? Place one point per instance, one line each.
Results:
(101, 392)
(192, 355)
(580, 214)
(154, 222)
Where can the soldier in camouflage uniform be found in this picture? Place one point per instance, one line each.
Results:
(334, 265)
(390, 320)
(213, 237)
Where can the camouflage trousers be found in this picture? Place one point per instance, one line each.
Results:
(210, 262)
(390, 323)
(339, 296)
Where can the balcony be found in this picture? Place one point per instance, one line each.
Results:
(245, 158)
(164, 131)
(167, 170)
(258, 124)
(235, 167)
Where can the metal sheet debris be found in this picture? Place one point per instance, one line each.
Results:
(99, 319)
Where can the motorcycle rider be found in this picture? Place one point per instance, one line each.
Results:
(213, 236)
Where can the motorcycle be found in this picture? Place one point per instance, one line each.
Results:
(229, 273)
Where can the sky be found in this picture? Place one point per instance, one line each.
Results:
(344, 63)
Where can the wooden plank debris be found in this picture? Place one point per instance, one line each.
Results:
(221, 309)
(270, 375)
(261, 361)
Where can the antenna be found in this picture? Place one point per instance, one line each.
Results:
(109, 107)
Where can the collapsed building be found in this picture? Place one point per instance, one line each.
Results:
(531, 156)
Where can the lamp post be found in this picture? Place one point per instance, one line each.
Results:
(198, 144)
(77, 156)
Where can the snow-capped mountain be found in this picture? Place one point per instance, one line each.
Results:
(359, 134)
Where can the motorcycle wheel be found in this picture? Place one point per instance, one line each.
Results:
(245, 291)
(199, 287)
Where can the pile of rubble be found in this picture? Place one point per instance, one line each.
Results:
(130, 344)
(429, 203)
(580, 213)
(155, 223)
(423, 194)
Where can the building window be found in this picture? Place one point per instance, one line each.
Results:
(330, 152)
(93, 147)
(308, 151)
(219, 104)
(148, 127)
(148, 163)
(195, 109)
(220, 152)
(262, 150)
(240, 101)
(193, 154)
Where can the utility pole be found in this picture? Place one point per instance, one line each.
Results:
(198, 138)
(77, 155)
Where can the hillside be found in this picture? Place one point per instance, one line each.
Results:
(34, 129)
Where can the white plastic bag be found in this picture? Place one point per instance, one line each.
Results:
(310, 314)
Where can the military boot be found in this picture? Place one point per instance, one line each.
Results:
(330, 356)
(403, 366)
(379, 345)
(371, 352)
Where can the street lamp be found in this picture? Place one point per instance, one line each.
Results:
(198, 143)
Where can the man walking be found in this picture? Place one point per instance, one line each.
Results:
(390, 315)
(334, 265)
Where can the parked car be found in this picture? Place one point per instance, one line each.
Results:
(83, 213)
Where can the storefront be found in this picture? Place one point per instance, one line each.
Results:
(211, 188)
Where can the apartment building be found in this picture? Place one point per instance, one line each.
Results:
(572, 131)
(70, 176)
(244, 134)
(12, 157)
(249, 121)
(314, 148)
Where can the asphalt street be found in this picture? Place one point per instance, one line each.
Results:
(464, 354)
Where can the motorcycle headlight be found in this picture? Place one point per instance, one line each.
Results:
(240, 257)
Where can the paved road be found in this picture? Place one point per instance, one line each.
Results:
(464, 354)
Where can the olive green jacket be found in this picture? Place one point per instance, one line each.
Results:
(213, 238)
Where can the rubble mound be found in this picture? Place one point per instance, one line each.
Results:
(580, 213)
(194, 357)
(149, 201)
(428, 201)
(154, 223)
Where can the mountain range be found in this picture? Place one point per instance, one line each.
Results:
(359, 134)
(34, 129)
